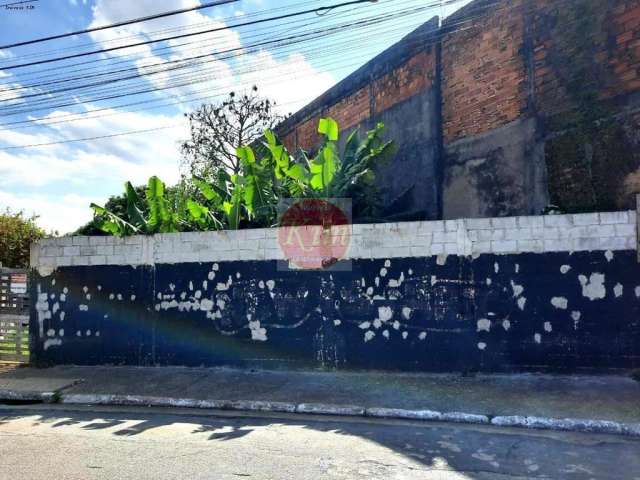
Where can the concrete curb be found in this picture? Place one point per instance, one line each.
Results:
(529, 422)
(27, 396)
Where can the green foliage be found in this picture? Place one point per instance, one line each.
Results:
(155, 215)
(248, 197)
(17, 232)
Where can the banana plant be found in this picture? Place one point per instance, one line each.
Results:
(162, 217)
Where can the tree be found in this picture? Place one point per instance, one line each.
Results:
(17, 232)
(218, 130)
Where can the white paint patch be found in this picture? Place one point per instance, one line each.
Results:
(406, 313)
(83, 308)
(521, 303)
(496, 267)
(257, 332)
(560, 302)
(405, 334)
(608, 255)
(385, 313)
(565, 269)
(206, 305)
(482, 345)
(52, 342)
(617, 290)
(517, 289)
(422, 335)
(368, 335)
(506, 324)
(383, 272)
(385, 334)
(442, 259)
(593, 289)
(484, 325)
(547, 327)
(537, 338)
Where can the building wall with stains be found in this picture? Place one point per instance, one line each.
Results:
(505, 108)
(558, 293)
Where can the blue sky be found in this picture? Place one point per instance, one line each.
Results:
(59, 181)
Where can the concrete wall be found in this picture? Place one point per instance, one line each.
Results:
(499, 294)
(400, 88)
(506, 108)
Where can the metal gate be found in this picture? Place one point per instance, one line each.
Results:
(14, 316)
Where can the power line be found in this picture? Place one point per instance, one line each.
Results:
(133, 132)
(120, 24)
(185, 35)
(178, 64)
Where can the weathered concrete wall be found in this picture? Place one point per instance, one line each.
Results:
(400, 88)
(501, 294)
(506, 108)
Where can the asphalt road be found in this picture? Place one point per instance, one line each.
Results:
(55, 442)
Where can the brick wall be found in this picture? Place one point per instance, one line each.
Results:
(483, 73)
(412, 77)
(585, 50)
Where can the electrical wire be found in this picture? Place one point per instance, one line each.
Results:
(120, 24)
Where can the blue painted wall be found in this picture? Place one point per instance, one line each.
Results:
(551, 311)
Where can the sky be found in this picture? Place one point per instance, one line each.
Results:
(103, 94)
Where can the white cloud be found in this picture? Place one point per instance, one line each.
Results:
(91, 171)
(63, 214)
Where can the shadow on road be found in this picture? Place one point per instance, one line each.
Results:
(473, 451)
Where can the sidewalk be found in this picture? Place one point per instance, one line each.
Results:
(608, 404)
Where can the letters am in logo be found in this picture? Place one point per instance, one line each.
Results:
(315, 233)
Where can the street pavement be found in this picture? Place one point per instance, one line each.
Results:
(64, 442)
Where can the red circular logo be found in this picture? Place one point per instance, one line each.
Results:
(314, 233)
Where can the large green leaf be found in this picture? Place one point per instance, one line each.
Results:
(329, 128)
(159, 216)
(134, 212)
(111, 223)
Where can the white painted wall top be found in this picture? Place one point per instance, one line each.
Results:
(505, 235)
